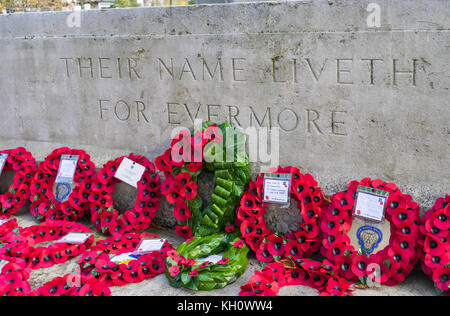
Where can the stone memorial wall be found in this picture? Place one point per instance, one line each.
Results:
(351, 98)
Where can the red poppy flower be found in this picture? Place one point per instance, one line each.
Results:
(293, 250)
(183, 231)
(275, 247)
(223, 261)
(229, 228)
(344, 264)
(263, 254)
(189, 191)
(93, 288)
(213, 133)
(437, 260)
(182, 212)
(378, 273)
(441, 277)
(174, 270)
(195, 166)
(239, 244)
(359, 265)
(182, 179)
(163, 162)
(193, 273)
(168, 186)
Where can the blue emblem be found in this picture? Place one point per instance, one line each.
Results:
(61, 196)
(370, 241)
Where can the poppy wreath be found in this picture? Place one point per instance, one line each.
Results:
(14, 277)
(315, 274)
(185, 268)
(45, 204)
(23, 164)
(435, 244)
(72, 285)
(272, 246)
(195, 153)
(109, 220)
(396, 260)
(24, 244)
(97, 263)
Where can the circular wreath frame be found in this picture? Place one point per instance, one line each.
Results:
(181, 177)
(96, 264)
(184, 269)
(396, 261)
(23, 244)
(23, 164)
(272, 246)
(435, 244)
(44, 203)
(105, 217)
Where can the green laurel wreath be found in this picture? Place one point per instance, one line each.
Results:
(230, 180)
(212, 276)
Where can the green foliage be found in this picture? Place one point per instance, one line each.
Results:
(213, 276)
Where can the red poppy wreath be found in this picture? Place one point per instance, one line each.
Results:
(24, 244)
(389, 265)
(23, 164)
(100, 262)
(69, 205)
(183, 163)
(272, 246)
(105, 217)
(435, 244)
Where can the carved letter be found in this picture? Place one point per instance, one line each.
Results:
(340, 71)
(128, 111)
(316, 76)
(169, 71)
(295, 118)
(183, 70)
(403, 72)
(169, 113)
(235, 69)
(371, 67)
(217, 69)
(101, 67)
(101, 108)
(260, 122)
(140, 110)
(313, 121)
(334, 124)
(85, 67)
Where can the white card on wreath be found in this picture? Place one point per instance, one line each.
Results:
(74, 238)
(213, 259)
(149, 245)
(130, 172)
(2, 161)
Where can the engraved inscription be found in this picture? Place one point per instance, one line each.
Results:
(288, 119)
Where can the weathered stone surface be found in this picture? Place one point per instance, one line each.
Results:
(350, 100)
